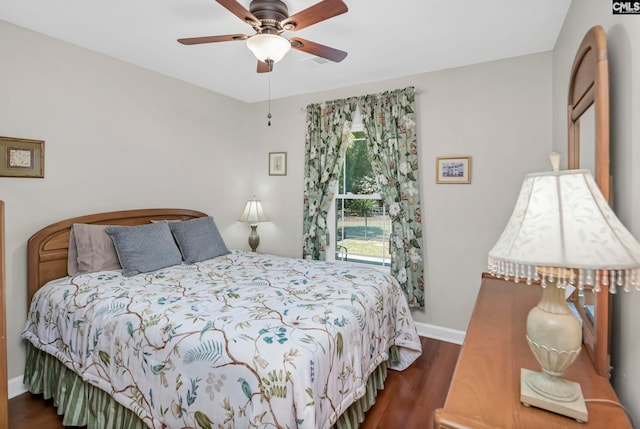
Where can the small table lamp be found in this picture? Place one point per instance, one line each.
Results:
(562, 231)
(253, 214)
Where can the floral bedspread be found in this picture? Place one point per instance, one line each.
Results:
(243, 340)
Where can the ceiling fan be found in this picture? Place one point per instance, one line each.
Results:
(269, 19)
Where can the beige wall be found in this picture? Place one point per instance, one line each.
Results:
(623, 37)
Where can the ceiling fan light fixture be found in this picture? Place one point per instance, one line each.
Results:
(268, 47)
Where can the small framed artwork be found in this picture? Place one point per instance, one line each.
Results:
(453, 169)
(21, 157)
(277, 163)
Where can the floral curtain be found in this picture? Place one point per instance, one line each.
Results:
(390, 122)
(326, 139)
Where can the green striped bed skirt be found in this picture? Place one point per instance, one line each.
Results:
(82, 404)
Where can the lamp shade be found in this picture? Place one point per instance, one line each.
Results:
(562, 220)
(268, 47)
(253, 212)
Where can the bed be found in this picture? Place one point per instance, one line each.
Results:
(240, 340)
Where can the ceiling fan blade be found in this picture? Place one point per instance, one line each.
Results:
(264, 67)
(331, 54)
(212, 39)
(238, 10)
(312, 15)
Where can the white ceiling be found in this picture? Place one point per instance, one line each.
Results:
(385, 39)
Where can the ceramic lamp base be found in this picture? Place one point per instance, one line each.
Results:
(576, 409)
(254, 238)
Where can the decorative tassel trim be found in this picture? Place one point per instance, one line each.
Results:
(612, 280)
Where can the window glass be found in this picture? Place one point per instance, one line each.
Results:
(362, 225)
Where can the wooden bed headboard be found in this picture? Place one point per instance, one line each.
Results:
(47, 249)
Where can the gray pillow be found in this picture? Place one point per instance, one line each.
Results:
(198, 239)
(144, 248)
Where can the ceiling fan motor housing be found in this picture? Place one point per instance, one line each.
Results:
(270, 13)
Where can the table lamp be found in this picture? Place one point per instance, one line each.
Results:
(253, 214)
(562, 231)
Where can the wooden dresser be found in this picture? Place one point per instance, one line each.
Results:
(485, 389)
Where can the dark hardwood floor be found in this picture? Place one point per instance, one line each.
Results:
(407, 401)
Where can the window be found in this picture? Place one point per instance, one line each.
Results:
(359, 222)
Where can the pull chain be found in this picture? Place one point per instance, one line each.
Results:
(270, 64)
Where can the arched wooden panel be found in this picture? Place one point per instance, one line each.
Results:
(589, 86)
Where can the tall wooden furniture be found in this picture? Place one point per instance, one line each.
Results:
(4, 400)
(485, 389)
(588, 129)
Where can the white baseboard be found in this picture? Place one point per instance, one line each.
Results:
(440, 333)
(16, 387)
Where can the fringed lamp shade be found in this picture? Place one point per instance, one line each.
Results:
(561, 220)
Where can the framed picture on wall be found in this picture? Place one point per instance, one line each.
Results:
(453, 169)
(21, 157)
(277, 163)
